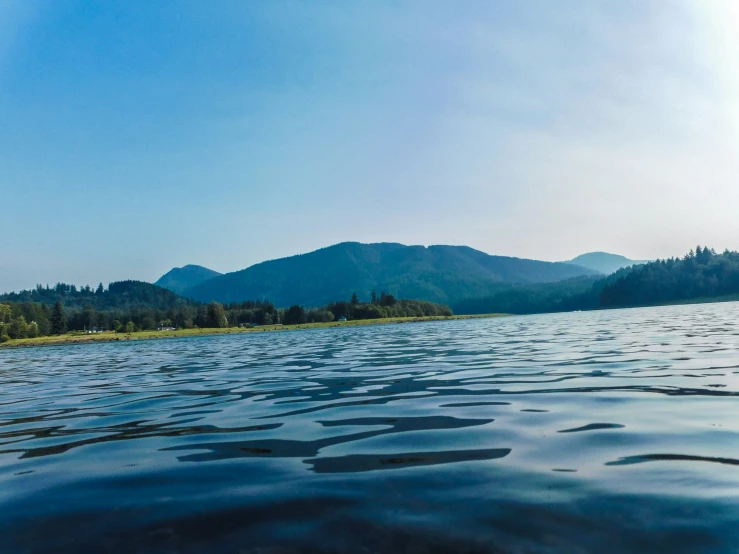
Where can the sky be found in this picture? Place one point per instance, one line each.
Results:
(139, 136)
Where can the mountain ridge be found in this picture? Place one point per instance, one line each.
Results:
(437, 273)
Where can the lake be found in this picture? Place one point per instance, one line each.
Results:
(609, 431)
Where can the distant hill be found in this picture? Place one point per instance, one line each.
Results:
(604, 262)
(700, 276)
(438, 274)
(29, 313)
(180, 279)
(121, 295)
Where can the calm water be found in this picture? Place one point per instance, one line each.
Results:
(610, 431)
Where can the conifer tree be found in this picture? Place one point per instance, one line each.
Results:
(58, 320)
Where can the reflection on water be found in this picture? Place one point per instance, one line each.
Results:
(611, 431)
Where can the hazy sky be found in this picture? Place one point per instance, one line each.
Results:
(138, 136)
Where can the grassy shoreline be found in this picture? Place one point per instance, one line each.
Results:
(111, 336)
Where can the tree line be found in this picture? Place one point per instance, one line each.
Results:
(130, 306)
(378, 307)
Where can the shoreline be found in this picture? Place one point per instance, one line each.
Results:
(112, 336)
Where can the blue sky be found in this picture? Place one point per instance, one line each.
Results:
(138, 136)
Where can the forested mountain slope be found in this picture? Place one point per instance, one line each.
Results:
(435, 273)
(700, 275)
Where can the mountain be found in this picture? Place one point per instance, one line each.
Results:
(604, 262)
(437, 274)
(181, 278)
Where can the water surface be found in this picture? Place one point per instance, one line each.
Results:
(611, 431)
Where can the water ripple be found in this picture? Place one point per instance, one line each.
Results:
(521, 434)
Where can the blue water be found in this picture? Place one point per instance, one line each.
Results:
(614, 431)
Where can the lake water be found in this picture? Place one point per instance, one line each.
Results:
(614, 431)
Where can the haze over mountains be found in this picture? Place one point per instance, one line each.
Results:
(442, 274)
(604, 262)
